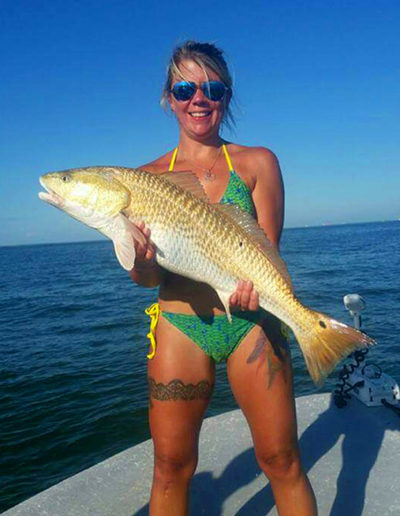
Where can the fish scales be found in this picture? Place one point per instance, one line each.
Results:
(190, 220)
(217, 245)
(211, 243)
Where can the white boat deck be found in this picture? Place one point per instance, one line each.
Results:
(352, 456)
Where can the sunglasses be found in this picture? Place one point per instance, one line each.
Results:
(213, 90)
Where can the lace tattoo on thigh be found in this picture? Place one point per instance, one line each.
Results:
(176, 390)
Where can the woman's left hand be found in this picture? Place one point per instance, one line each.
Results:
(245, 297)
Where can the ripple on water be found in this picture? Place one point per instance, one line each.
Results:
(73, 344)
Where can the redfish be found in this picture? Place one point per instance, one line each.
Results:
(217, 244)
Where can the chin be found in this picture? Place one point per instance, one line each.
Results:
(200, 130)
(203, 132)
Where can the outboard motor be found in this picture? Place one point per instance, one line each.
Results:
(365, 381)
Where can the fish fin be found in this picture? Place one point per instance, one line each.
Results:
(327, 343)
(187, 180)
(125, 252)
(123, 232)
(224, 297)
(253, 229)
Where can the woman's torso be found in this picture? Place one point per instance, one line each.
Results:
(226, 185)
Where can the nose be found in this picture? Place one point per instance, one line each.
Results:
(199, 97)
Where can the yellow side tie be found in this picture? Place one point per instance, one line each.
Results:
(153, 311)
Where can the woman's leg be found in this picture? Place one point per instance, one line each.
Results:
(260, 375)
(181, 378)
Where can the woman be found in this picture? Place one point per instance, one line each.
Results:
(192, 332)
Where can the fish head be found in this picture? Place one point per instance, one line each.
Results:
(90, 195)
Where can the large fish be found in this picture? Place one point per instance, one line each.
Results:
(213, 243)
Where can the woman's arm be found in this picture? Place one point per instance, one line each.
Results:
(268, 194)
(268, 197)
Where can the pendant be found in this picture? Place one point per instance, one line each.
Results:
(209, 176)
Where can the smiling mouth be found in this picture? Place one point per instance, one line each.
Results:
(200, 114)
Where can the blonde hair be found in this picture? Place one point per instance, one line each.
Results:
(205, 55)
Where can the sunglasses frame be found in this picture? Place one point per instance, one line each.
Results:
(204, 86)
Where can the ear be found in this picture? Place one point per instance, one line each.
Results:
(171, 102)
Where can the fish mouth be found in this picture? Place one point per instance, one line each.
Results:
(50, 195)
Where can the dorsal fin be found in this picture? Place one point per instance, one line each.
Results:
(251, 226)
(187, 180)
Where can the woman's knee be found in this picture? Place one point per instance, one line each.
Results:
(283, 465)
(170, 467)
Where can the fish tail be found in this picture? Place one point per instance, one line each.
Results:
(325, 342)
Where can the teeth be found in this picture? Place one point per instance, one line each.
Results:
(199, 115)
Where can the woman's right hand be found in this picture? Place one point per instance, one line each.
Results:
(145, 252)
(146, 271)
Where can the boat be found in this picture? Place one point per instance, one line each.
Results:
(349, 448)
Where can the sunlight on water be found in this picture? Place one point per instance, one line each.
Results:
(73, 343)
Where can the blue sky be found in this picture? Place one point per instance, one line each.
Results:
(316, 82)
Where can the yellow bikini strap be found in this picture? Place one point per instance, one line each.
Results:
(154, 312)
(227, 157)
(173, 159)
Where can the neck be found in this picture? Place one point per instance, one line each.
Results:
(199, 149)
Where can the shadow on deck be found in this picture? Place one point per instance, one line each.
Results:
(350, 455)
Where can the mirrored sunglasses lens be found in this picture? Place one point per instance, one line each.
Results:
(183, 90)
(214, 90)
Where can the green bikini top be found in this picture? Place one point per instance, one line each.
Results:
(237, 192)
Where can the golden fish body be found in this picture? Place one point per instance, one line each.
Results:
(215, 244)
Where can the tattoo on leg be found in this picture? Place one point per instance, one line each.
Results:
(274, 365)
(176, 390)
(271, 348)
(259, 349)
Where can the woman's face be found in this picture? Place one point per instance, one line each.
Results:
(199, 117)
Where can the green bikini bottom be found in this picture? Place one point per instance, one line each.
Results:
(214, 334)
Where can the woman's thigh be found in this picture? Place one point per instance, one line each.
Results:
(181, 379)
(260, 375)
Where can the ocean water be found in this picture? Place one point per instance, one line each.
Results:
(73, 343)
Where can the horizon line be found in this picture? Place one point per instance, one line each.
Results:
(324, 225)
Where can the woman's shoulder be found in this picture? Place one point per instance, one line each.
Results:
(246, 153)
(254, 160)
(159, 165)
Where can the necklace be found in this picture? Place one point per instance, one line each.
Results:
(208, 176)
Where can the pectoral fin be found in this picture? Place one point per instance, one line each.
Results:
(224, 297)
(123, 233)
(125, 252)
